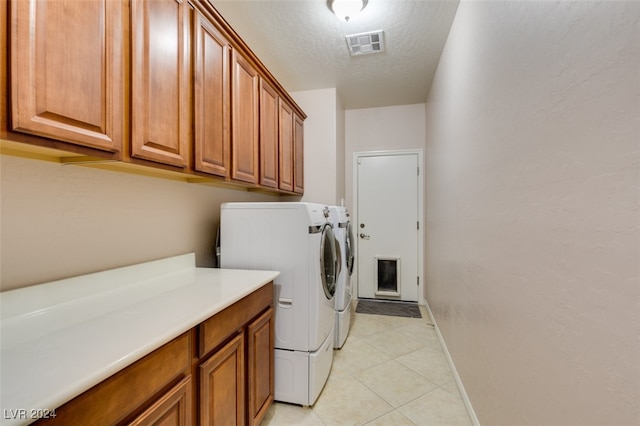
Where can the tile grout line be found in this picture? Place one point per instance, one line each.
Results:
(438, 386)
(404, 328)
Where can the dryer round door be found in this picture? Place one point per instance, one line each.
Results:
(328, 262)
(350, 249)
(337, 244)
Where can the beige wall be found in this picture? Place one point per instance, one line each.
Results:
(60, 221)
(533, 241)
(381, 129)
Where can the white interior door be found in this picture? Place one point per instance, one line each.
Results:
(387, 226)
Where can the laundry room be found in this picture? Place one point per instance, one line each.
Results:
(522, 253)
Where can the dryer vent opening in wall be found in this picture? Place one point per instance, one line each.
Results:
(365, 43)
(387, 276)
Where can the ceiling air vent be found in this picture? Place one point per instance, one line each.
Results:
(365, 43)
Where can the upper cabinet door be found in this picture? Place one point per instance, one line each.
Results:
(160, 80)
(67, 76)
(245, 124)
(268, 135)
(212, 99)
(298, 135)
(286, 147)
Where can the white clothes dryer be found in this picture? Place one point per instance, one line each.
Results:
(297, 240)
(339, 217)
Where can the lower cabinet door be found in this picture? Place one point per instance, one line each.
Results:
(261, 380)
(174, 408)
(222, 389)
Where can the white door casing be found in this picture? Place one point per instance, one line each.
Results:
(388, 202)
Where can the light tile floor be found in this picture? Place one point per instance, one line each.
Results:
(390, 371)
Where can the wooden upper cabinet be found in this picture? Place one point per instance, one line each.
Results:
(245, 121)
(268, 135)
(212, 98)
(298, 136)
(286, 147)
(160, 81)
(67, 76)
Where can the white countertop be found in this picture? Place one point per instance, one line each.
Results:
(61, 338)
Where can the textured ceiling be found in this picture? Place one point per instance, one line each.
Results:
(303, 45)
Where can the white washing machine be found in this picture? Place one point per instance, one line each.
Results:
(297, 240)
(339, 217)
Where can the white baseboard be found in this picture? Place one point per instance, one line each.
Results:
(456, 376)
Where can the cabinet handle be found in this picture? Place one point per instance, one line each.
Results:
(285, 303)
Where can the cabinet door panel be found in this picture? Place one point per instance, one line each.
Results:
(245, 125)
(67, 75)
(212, 99)
(214, 331)
(268, 135)
(160, 80)
(286, 147)
(261, 380)
(298, 135)
(173, 409)
(222, 391)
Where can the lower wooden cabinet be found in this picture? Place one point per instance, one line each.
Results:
(220, 372)
(222, 391)
(123, 397)
(260, 366)
(236, 374)
(174, 408)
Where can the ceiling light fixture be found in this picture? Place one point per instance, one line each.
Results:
(347, 9)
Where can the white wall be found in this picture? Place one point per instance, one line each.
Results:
(340, 153)
(59, 221)
(321, 143)
(533, 240)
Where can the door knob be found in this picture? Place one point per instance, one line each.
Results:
(364, 236)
